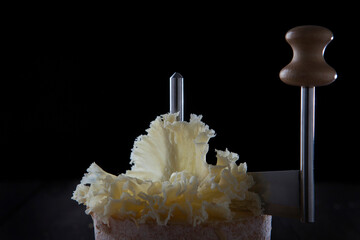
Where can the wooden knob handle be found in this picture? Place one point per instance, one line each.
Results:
(308, 67)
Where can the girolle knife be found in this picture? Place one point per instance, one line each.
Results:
(289, 193)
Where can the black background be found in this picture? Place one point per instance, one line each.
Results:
(80, 85)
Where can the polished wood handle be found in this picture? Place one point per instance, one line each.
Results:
(308, 67)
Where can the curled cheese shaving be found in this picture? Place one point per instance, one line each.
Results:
(170, 180)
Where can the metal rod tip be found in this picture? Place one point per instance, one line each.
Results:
(176, 75)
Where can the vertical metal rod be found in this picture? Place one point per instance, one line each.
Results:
(177, 95)
(307, 132)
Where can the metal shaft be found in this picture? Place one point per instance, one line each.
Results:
(177, 95)
(307, 130)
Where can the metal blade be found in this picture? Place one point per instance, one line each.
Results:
(279, 191)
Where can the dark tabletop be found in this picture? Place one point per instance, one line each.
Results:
(44, 210)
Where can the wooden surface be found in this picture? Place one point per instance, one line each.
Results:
(44, 210)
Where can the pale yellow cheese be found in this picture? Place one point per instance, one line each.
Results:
(170, 180)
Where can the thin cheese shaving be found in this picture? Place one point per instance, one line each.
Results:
(170, 180)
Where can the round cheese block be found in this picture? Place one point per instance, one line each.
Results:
(258, 227)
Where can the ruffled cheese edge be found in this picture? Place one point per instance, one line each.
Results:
(222, 195)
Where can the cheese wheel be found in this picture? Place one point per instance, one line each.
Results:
(258, 228)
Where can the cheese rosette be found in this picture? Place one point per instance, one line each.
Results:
(170, 180)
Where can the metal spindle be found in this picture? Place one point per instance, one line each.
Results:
(307, 193)
(177, 95)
